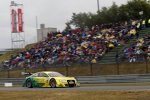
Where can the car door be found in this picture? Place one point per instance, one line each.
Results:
(36, 78)
(42, 79)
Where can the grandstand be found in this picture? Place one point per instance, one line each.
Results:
(79, 47)
(110, 57)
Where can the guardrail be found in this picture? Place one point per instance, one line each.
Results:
(114, 79)
(15, 81)
(93, 79)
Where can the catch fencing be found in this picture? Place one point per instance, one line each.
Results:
(104, 79)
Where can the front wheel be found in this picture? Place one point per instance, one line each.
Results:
(53, 83)
(29, 84)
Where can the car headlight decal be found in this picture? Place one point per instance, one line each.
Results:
(62, 81)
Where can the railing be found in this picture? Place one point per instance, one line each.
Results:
(83, 69)
(104, 79)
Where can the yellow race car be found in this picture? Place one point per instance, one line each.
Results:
(49, 79)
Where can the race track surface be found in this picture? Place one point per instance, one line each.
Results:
(132, 88)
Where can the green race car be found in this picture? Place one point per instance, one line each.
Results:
(49, 79)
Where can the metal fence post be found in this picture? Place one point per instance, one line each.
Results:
(117, 62)
(118, 72)
(146, 62)
(8, 74)
(91, 68)
(25, 69)
(147, 67)
(67, 70)
(44, 66)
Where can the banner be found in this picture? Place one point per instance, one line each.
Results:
(13, 21)
(20, 21)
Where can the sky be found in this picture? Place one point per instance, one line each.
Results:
(52, 13)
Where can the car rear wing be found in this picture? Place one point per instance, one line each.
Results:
(26, 73)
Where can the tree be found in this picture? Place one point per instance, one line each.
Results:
(82, 19)
(136, 6)
(113, 14)
(68, 27)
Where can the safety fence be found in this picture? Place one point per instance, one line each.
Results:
(83, 70)
(103, 79)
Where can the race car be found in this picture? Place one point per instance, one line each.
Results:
(49, 79)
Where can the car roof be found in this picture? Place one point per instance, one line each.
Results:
(47, 72)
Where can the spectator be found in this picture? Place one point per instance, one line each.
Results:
(77, 45)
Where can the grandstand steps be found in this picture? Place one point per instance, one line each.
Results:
(110, 57)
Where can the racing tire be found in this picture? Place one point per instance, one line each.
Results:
(53, 83)
(29, 84)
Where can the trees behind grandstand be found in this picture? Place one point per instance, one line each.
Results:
(112, 14)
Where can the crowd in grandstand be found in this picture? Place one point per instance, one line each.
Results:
(139, 51)
(81, 45)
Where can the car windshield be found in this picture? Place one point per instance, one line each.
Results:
(55, 74)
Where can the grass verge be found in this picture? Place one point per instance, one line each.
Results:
(74, 95)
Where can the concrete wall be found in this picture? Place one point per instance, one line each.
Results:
(42, 33)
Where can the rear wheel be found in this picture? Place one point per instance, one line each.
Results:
(53, 83)
(29, 84)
